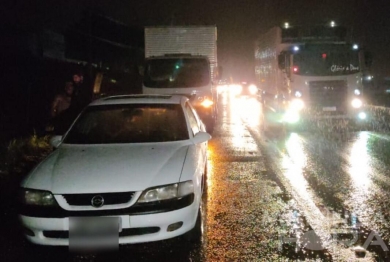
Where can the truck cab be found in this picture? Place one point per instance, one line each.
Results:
(183, 74)
(311, 73)
(183, 60)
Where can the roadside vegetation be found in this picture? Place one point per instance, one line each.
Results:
(22, 154)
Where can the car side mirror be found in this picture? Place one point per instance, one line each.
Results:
(201, 137)
(56, 141)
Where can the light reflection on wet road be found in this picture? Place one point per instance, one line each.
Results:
(334, 178)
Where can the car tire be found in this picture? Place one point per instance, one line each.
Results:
(204, 181)
(195, 234)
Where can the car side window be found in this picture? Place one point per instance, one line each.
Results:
(192, 118)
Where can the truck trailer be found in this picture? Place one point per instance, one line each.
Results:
(183, 60)
(308, 73)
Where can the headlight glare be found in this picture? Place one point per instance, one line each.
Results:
(236, 89)
(291, 117)
(38, 198)
(297, 105)
(362, 115)
(207, 102)
(252, 89)
(356, 103)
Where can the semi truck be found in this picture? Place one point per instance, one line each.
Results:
(308, 73)
(183, 60)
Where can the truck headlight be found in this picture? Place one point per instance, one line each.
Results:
(362, 115)
(297, 104)
(167, 192)
(37, 197)
(298, 94)
(356, 103)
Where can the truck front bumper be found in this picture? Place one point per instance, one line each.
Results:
(296, 118)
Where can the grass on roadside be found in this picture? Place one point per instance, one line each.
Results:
(24, 153)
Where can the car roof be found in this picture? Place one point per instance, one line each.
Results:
(143, 99)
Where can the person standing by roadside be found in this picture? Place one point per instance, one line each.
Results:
(62, 101)
(82, 94)
(80, 97)
(60, 111)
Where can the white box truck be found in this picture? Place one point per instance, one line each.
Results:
(309, 73)
(183, 60)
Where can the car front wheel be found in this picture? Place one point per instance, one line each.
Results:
(195, 234)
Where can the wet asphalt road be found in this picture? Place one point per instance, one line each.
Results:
(309, 196)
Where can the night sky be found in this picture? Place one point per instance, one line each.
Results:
(239, 22)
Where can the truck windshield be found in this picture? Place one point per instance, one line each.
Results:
(177, 73)
(326, 61)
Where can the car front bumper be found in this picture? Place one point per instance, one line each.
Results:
(135, 228)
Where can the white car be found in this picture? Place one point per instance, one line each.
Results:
(134, 165)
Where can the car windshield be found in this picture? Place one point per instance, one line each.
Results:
(326, 60)
(177, 73)
(129, 123)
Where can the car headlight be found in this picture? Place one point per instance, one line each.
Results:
(356, 103)
(297, 105)
(167, 192)
(37, 197)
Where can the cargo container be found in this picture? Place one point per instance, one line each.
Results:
(183, 60)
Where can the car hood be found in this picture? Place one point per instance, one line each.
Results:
(109, 168)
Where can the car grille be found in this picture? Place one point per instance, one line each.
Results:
(328, 94)
(126, 232)
(109, 198)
